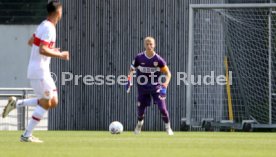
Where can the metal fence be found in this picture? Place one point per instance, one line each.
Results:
(18, 119)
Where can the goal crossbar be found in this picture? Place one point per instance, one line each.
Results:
(238, 5)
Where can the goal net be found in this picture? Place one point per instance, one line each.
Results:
(239, 40)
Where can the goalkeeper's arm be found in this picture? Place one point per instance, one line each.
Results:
(167, 72)
(129, 79)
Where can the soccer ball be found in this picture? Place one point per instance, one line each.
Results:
(116, 127)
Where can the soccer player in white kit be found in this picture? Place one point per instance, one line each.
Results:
(43, 48)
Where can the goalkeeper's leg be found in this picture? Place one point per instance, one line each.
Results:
(161, 103)
(143, 101)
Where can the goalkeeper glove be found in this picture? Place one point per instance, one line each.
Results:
(163, 92)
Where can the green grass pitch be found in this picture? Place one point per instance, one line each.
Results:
(148, 144)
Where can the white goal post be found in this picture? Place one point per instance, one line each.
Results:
(241, 36)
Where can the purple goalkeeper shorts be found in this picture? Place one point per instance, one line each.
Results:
(145, 95)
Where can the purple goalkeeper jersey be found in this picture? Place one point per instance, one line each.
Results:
(147, 67)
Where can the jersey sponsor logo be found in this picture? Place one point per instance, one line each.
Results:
(148, 69)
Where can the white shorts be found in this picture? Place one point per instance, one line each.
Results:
(44, 88)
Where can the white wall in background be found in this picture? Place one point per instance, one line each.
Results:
(14, 55)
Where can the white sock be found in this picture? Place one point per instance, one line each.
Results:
(141, 122)
(36, 117)
(168, 125)
(26, 102)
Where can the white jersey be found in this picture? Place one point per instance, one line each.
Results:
(39, 65)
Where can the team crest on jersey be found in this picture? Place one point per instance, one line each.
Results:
(155, 64)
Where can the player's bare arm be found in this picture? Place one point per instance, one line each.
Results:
(130, 76)
(131, 72)
(46, 51)
(53, 52)
(167, 72)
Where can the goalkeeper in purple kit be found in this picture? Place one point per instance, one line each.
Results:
(149, 68)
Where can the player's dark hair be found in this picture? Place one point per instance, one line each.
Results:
(53, 6)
